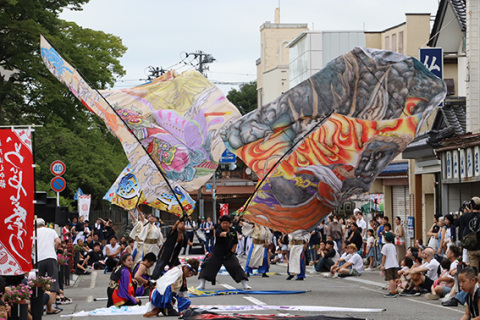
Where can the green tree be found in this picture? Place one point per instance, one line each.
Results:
(244, 99)
(29, 94)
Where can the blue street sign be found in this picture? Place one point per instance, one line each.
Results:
(228, 157)
(78, 193)
(58, 184)
(410, 227)
(432, 59)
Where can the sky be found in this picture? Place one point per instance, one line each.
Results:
(158, 33)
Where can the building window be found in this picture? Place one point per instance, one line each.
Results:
(400, 42)
(387, 43)
(394, 42)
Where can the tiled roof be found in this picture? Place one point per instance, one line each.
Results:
(459, 8)
(455, 117)
(450, 121)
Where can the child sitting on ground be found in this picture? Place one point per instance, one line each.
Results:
(405, 265)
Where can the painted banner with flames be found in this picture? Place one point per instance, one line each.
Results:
(329, 137)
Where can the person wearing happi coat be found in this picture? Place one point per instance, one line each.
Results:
(137, 228)
(170, 296)
(121, 288)
(152, 237)
(258, 253)
(298, 241)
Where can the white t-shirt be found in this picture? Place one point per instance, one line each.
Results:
(388, 250)
(357, 262)
(432, 266)
(111, 249)
(46, 243)
(361, 223)
(345, 256)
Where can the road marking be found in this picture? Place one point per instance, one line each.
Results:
(434, 305)
(255, 301)
(373, 283)
(227, 286)
(251, 299)
(93, 279)
(419, 301)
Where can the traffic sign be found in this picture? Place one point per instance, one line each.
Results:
(228, 157)
(58, 184)
(432, 59)
(58, 168)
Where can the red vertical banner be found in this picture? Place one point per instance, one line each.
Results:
(17, 193)
(223, 209)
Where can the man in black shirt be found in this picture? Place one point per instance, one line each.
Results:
(326, 259)
(470, 222)
(223, 253)
(356, 236)
(97, 259)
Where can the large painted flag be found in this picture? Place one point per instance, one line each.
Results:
(169, 128)
(330, 136)
(17, 193)
(126, 193)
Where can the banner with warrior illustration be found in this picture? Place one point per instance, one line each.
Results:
(330, 136)
(17, 194)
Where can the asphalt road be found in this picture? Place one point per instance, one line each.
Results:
(355, 292)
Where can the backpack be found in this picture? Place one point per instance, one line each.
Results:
(469, 241)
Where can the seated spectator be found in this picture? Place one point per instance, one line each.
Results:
(443, 285)
(112, 252)
(405, 265)
(414, 254)
(468, 283)
(80, 258)
(121, 291)
(422, 277)
(97, 258)
(89, 242)
(327, 257)
(453, 254)
(353, 266)
(96, 239)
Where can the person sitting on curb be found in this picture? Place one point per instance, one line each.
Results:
(353, 266)
(420, 281)
(446, 281)
(328, 259)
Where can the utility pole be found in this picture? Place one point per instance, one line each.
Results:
(155, 72)
(203, 60)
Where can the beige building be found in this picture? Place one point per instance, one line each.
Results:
(272, 66)
(405, 38)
